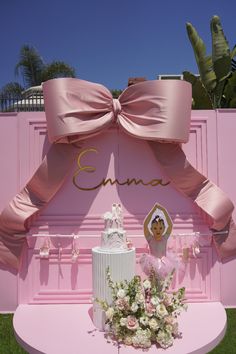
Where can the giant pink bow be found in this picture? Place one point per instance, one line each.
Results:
(158, 111)
(151, 110)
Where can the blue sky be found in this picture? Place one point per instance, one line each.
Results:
(108, 41)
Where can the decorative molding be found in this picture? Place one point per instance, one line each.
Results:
(82, 296)
(8, 114)
(198, 132)
(32, 132)
(89, 222)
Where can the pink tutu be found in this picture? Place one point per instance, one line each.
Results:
(161, 266)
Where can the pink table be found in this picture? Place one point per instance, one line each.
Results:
(68, 328)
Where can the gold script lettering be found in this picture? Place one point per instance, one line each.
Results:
(129, 181)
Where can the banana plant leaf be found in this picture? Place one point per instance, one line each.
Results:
(201, 99)
(233, 52)
(221, 56)
(230, 92)
(204, 62)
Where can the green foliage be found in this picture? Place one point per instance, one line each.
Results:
(228, 344)
(34, 70)
(116, 93)
(8, 343)
(30, 66)
(204, 62)
(215, 70)
(229, 96)
(56, 69)
(221, 57)
(201, 99)
(12, 89)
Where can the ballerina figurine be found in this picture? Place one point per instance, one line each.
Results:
(117, 215)
(157, 229)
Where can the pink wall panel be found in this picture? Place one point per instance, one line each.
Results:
(226, 127)
(9, 157)
(75, 211)
(9, 162)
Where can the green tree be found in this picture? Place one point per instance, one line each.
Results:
(216, 70)
(12, 89)
(33, 70)
(116, 93)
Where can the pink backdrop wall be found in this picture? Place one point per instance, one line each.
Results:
(23, 143)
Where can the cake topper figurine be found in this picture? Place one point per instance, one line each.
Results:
(157, 229)
(114, 236)
(113, 219)
(107, 220)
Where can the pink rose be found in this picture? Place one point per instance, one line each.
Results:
(121, 303)
(150, 309)
(148, 297)
(167, 300)
(169, 320)
(175, 329)
(132, 322)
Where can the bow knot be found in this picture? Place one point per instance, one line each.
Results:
(116, 107)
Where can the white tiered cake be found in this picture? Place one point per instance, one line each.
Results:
(115, 254)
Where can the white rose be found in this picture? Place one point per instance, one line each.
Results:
(135, 341)
(128, 340)
(109, 313)
(146, 344)
(139, 298)
(153, 324)
(168, 328)
(123, 321)
(165, 339)
(147, 284)
(121, 293)
(142, 338)
(161, 310)
(155, 301)
(160, 336)
(144, 320)
(134, 307)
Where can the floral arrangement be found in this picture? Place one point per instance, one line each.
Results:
(143, 313)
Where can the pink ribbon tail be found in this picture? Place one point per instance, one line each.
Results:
(215, 204)
(19, 214)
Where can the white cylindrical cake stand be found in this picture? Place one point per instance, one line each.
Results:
(122, 267)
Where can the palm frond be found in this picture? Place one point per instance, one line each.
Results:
(30, 65)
